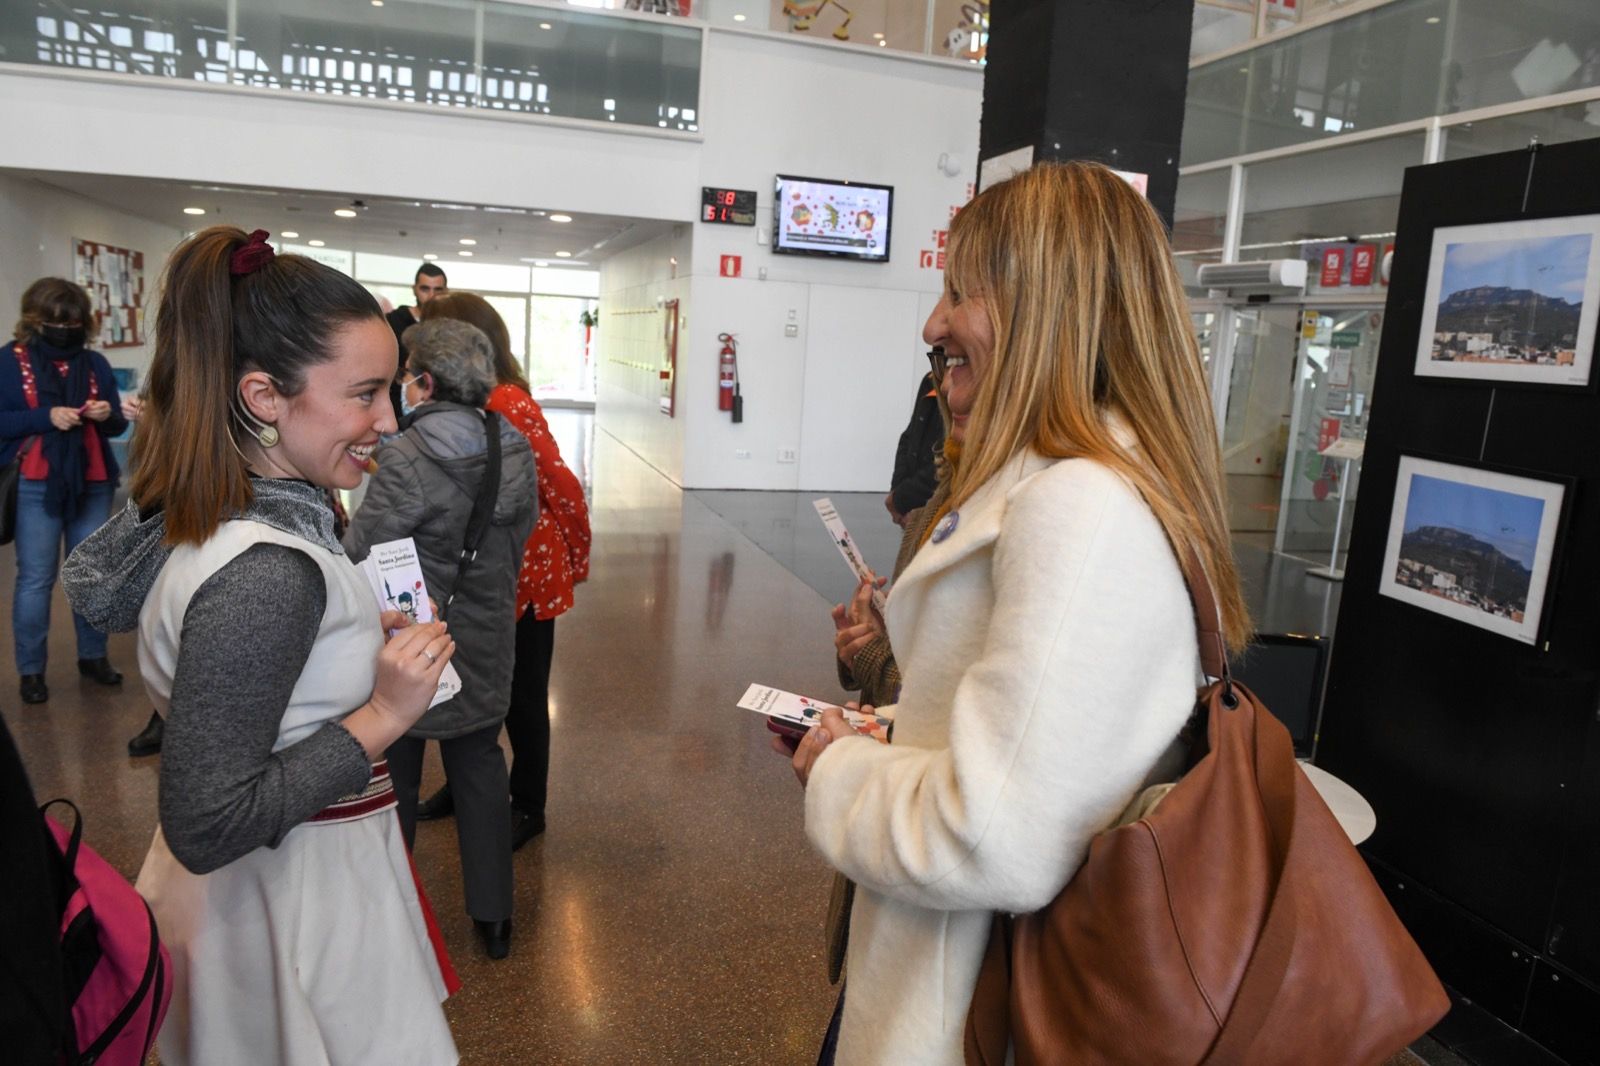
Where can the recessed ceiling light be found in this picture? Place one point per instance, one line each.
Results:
(544, 26)
(560, 218)
(289, 234)
(1434, 21)
(541, 262)
(563, 255)
(1244, 70)
(429, 256)
(344, 212)
(377, 3)
(194, 210)
(465, 254)
(877, 36)
(317, 244)
(883, 44)
(738, 18)
(468, 241)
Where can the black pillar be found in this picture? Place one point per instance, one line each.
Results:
(1090, 79)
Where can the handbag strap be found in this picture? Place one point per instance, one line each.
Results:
(1207, 619)
(1269, 962)
(69, 854)
(482, 506)
(1273, 756)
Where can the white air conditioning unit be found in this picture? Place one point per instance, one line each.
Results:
(1266, 277)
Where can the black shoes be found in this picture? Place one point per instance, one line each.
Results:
(100, 671)
(33, 688)
(439, 805)
(496, 937)
(148, 742)
(524, 827)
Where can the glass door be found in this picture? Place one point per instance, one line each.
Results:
(1337, 361)
(561, 347)
(1255, 426)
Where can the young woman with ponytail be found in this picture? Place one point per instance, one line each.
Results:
(277, 876)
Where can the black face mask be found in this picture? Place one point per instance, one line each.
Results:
(66, 338)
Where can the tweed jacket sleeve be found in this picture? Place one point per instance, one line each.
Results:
(875, 673)
(1061, 700)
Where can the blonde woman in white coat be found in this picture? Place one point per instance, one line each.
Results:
(1044, 631)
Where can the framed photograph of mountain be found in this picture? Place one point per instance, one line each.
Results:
(1473, 544)
(1513, 302)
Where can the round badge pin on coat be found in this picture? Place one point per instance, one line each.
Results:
(947, 525)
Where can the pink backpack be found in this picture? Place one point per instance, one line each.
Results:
(116, 974)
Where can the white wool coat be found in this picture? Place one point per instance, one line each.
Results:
(1049, 653)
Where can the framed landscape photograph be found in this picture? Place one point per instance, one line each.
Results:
(1472, 544)
(1513, 302)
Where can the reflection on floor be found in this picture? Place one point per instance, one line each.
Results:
(673, 912)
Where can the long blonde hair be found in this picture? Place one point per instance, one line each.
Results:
(1090, 320)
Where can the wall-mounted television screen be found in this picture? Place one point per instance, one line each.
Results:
(849, 219)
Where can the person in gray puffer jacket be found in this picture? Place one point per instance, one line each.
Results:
(428, 477)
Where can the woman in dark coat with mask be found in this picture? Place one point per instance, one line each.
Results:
(59, 409)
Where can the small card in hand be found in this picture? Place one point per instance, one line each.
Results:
(805, 712)
(395, 573)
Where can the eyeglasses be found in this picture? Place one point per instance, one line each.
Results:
(937, 360)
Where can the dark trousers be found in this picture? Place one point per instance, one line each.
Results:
(528, 716)
(476, 768)
(830, 1039)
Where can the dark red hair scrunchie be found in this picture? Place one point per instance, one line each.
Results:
(252, 255)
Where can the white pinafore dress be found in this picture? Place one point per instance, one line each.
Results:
(316, 952)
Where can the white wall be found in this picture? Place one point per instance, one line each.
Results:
(634, 286)
(40, 223)
(840, 392)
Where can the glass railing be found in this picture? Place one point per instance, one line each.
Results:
(557, 61)
(1401, 62)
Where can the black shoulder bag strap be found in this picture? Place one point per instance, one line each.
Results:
(482, 507)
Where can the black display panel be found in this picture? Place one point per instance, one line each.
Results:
(841, 219)
(729, 207)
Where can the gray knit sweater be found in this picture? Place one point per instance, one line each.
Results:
(224, 791)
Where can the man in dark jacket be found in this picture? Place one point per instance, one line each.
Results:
(914, 477)
(428, 283)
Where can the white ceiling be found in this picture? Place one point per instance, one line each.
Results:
(385, 226)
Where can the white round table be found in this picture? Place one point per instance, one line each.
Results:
(1356, 816)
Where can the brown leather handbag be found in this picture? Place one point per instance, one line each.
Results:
(1232, 925)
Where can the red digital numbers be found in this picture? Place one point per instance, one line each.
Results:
(729, 206)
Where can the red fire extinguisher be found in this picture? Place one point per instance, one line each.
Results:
(728, 398)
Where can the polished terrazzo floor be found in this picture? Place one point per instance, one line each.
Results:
(673, 911)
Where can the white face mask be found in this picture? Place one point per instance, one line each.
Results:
(407, 408)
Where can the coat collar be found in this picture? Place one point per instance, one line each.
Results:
(978, 523)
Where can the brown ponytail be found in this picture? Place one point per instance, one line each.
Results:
(211, 329)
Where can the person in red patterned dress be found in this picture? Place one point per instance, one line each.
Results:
(555, 559)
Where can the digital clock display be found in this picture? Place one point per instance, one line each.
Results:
(732, 207)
